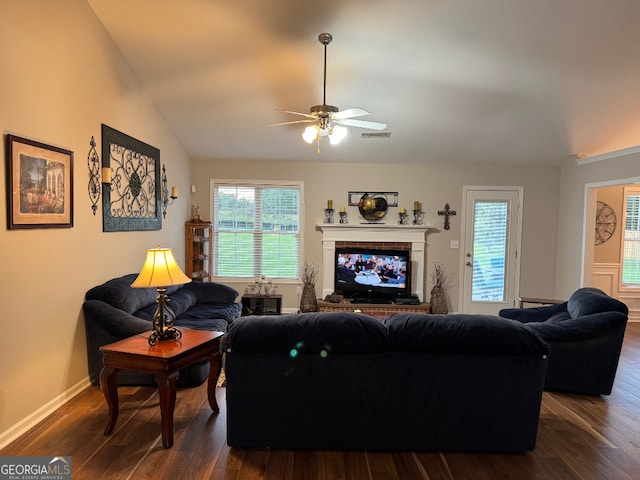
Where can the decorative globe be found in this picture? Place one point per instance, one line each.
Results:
(372, 209)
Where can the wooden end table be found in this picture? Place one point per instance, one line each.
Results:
(540, 301)
(164, 360)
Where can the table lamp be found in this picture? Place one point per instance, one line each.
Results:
(161, 270)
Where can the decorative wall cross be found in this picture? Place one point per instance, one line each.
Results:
(447, 212)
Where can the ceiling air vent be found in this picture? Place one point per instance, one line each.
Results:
(375, 135)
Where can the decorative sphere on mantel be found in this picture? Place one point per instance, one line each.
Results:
(372, 209)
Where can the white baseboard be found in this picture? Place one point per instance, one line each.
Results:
(40, 414)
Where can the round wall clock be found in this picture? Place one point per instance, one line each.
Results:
(605, 223)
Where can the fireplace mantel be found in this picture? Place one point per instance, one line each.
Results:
(374, 232)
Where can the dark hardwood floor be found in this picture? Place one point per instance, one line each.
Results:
(579, 437)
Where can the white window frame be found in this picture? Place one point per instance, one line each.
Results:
(622, 224)
(299, 184)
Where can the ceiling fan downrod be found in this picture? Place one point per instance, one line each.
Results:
(325, 39)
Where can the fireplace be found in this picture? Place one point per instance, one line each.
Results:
(402, 237)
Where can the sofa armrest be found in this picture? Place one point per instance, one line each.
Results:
(582, 328)
(112, 320)
(212, 292)
(534, 314)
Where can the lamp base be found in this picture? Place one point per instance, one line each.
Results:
(163, 318)
(169, 334)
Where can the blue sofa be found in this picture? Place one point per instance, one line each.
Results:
(114, 310)
(343, 380)
(585, 334)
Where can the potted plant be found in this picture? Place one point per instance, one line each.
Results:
(440, 278)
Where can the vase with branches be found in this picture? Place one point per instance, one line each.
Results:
(308, 299)
(440, 279)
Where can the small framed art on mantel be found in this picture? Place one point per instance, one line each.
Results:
(39, 185)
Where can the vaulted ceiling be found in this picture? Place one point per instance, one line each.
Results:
(500, 81)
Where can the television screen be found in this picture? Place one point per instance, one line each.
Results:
(372, 274)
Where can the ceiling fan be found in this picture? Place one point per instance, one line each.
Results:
(329, 120)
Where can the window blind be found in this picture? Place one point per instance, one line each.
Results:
(631, 243)
(256, 230)
(489, 251)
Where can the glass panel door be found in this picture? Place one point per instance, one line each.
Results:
(489, 251)
(492, 225)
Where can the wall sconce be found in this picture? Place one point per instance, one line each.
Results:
(165, 193)
(106, 175)
(97, 175)
(93, 163)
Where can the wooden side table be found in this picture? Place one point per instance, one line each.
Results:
(164, 360)
(539, 301)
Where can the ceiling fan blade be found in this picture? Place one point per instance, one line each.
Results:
(294, 121)
(364, 124)
(349, 113)
(297, 113)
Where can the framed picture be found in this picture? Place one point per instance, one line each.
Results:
(132, 201)
(390, 197)
(39, 185)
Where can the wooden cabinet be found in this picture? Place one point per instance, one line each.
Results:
(198, 246)
(261, 304)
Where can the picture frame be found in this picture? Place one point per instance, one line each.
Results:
(390, 197)
(39, 185)
(132, 201)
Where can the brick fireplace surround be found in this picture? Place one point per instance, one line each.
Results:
(404, 237)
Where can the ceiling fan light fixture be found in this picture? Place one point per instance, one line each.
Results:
(329, 120)
(310, 133)
(337, 134)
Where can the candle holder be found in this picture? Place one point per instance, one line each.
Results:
(328, 215)
(404, 218)
(343, 217)
(263, 286)
(418, 215)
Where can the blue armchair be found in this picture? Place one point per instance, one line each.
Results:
(585, 335)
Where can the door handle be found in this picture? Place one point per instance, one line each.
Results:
(468, 264)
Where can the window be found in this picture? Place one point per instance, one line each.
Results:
(631, 241)
(489, 251)
(256, 229)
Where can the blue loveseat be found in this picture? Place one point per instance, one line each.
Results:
(585, 334)
(114, 310)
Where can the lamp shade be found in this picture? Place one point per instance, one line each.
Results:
(160, 269)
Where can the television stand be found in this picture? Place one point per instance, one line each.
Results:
(369, 299)
(378, 310)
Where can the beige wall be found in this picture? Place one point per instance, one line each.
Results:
(609, 251)
(61, 78)
(433, 185)
(575, 239)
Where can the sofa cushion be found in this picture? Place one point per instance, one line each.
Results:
(559, 317)
(213, 324)
(462, 334)
(533, 314)
(119, 293)
(203, 311)
(211, 292)
(180, 301)
(314, 332)
(588, 300)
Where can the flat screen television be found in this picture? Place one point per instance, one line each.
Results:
(372, 275)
